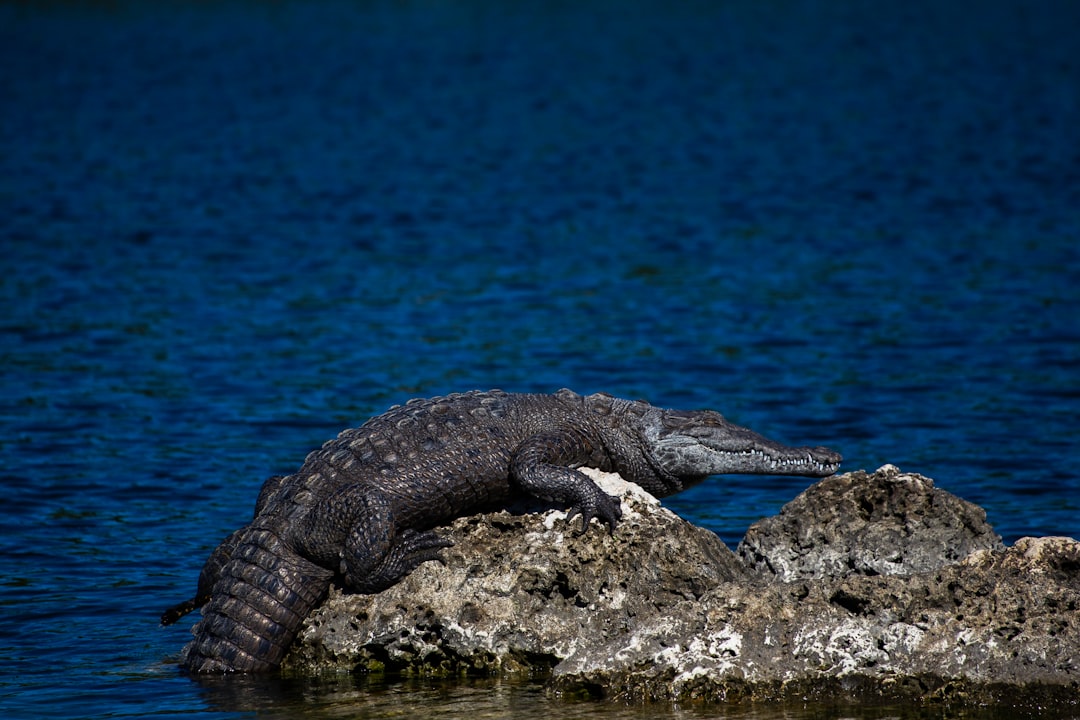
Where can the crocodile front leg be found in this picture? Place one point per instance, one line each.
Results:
(544, 465)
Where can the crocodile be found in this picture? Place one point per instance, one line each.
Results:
(362, 510)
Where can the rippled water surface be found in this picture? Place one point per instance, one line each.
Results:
(232, 229)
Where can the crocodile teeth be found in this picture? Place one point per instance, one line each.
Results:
(807, 461)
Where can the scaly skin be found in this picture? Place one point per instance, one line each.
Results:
(362, 507)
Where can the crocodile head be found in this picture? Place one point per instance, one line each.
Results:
(695, 444)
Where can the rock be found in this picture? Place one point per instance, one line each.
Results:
(664, 611)
(882, 523)
(998, 627)
(521, 592)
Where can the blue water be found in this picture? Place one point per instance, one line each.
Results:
(232, 229)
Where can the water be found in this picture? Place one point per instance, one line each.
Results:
(232, 229)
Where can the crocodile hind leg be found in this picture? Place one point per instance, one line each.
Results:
(377, 552)
(257, 606)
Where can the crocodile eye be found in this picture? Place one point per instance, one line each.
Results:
(674, 421)
(601, 403)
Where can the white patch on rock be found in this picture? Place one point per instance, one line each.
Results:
(1039, 548)
(552, 519)
(614, 484)
(902, 639)
(713, 655)
(841, 648)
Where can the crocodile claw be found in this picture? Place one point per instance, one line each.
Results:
(605, 508)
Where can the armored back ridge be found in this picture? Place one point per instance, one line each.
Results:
(361, 510)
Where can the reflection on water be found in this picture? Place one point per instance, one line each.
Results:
(349, 696)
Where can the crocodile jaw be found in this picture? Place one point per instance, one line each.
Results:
(685, 456)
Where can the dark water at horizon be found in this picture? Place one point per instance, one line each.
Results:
(230, 230)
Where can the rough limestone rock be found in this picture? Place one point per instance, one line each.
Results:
(522, 592)
(997, 627)
(882, 523)
(663, 611)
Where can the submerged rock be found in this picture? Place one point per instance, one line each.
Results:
(868, 584)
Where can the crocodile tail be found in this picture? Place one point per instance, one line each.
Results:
(256, 607)
(211, 571)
